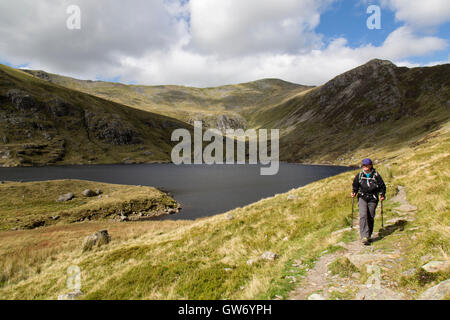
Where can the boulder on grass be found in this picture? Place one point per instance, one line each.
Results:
(269, 256)
(435, 266)
(96, 240)
(438, 292)
(65, 197)
(89, 193)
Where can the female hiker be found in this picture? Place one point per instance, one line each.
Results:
(370, 188)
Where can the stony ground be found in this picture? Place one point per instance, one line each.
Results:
(321, 284)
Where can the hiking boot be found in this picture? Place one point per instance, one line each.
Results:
(365, 241)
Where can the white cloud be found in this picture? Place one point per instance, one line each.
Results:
(403, 43)
(36, 32)
(179, 66)
(227, 41)
(239, 27)
(420, 13)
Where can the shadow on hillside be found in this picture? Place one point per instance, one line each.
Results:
(390, 229)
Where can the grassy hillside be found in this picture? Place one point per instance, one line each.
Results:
(186, 103)
(376, 103)
(372, 106)
(43, 123)
(208, 258)
(33, 204)
(398, 116)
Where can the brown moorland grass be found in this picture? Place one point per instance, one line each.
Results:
(24, 205)
(207, 259)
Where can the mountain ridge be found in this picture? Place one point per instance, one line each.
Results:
(43, 123)
(185, 103)
(324, 124)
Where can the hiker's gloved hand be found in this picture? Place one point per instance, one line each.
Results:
(353, 195)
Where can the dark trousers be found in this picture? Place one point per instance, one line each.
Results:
(366, 217)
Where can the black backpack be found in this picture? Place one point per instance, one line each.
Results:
(368, 186)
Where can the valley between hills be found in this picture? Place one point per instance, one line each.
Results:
(396, 115)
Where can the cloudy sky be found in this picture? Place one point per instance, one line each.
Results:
(214, 42)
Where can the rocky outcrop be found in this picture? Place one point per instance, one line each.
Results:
(438, 292)
(435, 266)
(35, 224)
(66, 197)
(73, 127)
(22, 100)
(269, 256)
(39, 74)
(224, 122)
(97, 239)
(89, 193)
(111, 128)
(58, 107)
(220, 122)
(373, 86)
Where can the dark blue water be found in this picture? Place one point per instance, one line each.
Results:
(202, 190)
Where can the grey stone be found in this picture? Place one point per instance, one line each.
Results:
(97, 239)
(316, 296)
(360, 260)
(66, 197)
(406, 208)
(172, 211)
(435, 266)
(337, 232)
(229, 217)
(438, 292)
(292, 197)
(70, 296)
(269, 256)
(129, 161)
(111, 128)
(89, 193)
(22, 100)
(374, 293)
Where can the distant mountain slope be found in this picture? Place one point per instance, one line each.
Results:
(43, 123)
(376, 104)
(218, 107)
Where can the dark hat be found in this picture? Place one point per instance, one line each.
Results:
(367, 162)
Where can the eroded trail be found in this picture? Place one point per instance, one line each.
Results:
(321, 284)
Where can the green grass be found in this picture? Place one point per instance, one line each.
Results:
(22, 205)
(343, 267)
(37, 137)
(161, 260)
(189, 262)
(187, 103)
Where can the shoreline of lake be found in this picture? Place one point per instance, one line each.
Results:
(211, 189)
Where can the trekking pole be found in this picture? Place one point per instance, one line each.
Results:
(382, 218)
(353, 206)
